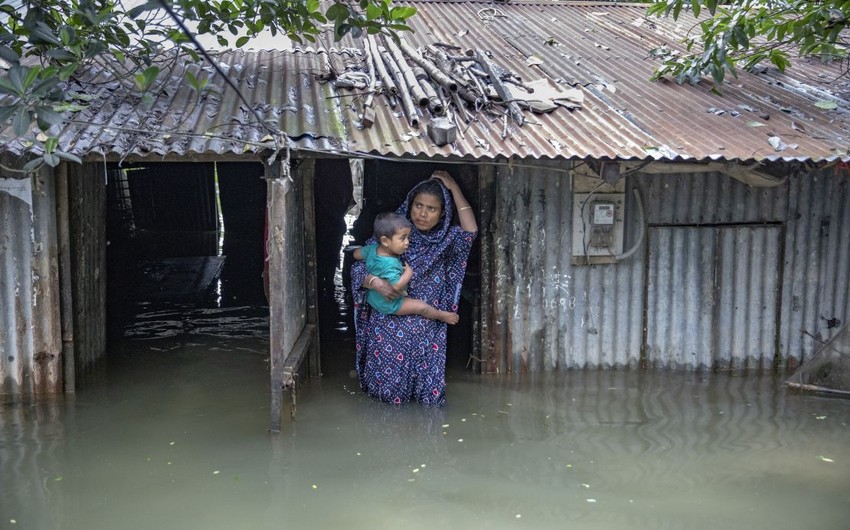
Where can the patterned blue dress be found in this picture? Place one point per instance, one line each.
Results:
(403, 358)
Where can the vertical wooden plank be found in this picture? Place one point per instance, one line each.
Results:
(276, 208)
(66, 292)
(486, 205)
(306, 174)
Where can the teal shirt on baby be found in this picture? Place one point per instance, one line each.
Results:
(385, 267)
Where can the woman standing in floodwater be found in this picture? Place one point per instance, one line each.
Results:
(403, 358)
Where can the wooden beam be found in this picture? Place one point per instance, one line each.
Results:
(488, 358)
(276, 207)
(293, 362)
(307, 175)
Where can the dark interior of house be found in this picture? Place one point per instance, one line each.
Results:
(185, 251)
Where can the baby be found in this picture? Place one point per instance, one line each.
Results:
(383, 259)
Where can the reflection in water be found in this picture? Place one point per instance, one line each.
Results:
(179, 320)
(178, 440)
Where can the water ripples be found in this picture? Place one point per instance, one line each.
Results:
(224, 322)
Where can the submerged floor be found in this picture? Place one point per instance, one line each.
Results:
(173, 434)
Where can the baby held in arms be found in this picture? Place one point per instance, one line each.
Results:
(383, 260)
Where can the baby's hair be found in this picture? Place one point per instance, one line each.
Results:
(388, 223)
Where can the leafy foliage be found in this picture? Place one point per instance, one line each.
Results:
(44, 43)
(749, 33)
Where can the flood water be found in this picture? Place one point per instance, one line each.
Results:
(172, 433)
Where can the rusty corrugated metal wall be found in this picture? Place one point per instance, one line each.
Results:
(728, 276)
(87, 219)
(30, 331)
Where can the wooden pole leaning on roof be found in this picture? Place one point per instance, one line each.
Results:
(501, 89)
(409, 77)
(406, 102)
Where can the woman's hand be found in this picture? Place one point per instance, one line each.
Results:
(383, 288)
(464, 210)
(447, 180)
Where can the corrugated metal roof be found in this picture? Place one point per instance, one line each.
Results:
(604, 48)
(601, 48)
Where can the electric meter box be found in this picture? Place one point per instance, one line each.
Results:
(597, 227)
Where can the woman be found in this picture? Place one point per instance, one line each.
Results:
(403, 358)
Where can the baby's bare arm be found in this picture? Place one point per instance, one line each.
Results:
(358, 255)
(406, 276)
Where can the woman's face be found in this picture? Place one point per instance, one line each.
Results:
(425, 211)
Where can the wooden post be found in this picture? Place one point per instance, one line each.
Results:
(276, 207)
(486, 207)
(66, 289)
(307, 175)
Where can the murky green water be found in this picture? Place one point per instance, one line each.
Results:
(173, 434)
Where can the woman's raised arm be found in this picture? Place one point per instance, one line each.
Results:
(464, 211)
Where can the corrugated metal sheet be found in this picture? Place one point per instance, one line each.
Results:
(816, 293)
(716, 278)
(604, 49)
(601, 48)
(544, 312)
(738, 280)
(279, 86)
(30, 332)
(87, 219)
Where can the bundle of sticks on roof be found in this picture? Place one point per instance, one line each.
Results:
(441, 78)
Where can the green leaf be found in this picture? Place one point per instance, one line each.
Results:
(9, 55)
(50, 144)
(68, 156)
(242, 41)
(402, 12)
(61, 55)
(6, 87)
(47, 117)
(16, 76)
(6, 113)
(21, 122)
(33, 165)
(43, 34)
(51, 159)
(147, 6)
(826, 104)
(337, 12)
(373, 12)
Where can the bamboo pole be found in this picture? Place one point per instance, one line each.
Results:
(409, 77)
(435, 73)
(403, 93)
(435, 104)
(386, 79)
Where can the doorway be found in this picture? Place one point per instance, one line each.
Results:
(185, 250)
(384, 186)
